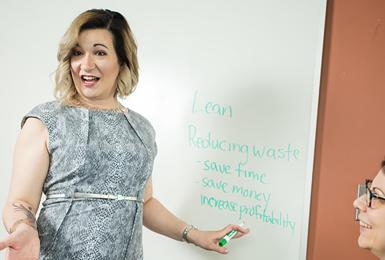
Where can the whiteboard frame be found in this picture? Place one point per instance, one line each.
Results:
(312, 135)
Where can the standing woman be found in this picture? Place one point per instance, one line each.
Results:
(371, 215)
(91, 157)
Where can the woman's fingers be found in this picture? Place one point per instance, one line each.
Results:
(222, 250)
(210, 239)
(221, 233)
(225, 230)
(241, 231)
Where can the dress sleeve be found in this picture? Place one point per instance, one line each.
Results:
(47, 114)
(144, 130)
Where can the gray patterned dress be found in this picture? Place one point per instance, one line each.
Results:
(91, 151)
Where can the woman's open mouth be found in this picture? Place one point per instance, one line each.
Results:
(365, 225)
(89, 81)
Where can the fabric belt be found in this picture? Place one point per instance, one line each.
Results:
(83, 195)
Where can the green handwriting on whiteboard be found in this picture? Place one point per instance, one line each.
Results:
(240, 191)
(250, 174)
(255, 212)
(220, 169)
(214, 184)
(270, 217)
(210, 107)
(210, 142)
(216, 167)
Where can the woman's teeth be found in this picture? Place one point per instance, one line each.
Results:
(364, 225)
(89, 78)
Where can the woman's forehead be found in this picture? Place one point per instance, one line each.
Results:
(379, 181)
(91, 36)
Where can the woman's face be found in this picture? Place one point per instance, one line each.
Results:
(372, 220)
(95, 66)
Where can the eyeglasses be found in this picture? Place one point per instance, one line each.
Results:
(372, 199)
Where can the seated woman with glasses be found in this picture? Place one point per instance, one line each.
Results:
(370, 206)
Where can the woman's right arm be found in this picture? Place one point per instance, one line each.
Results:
(30, 167)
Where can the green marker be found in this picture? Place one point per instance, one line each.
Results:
(224, 240)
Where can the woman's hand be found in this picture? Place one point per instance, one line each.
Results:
(209, 239)
(22, 244)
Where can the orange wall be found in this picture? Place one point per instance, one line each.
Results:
(351, 124)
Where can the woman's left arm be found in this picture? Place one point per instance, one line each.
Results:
(159, 219)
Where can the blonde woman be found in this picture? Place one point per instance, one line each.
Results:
(371, 216)
(91, 157)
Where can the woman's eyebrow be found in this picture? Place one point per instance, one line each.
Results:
(100, 44)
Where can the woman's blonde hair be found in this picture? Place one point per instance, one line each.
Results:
(124, 45)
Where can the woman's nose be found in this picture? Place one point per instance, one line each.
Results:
(360, 203)
(87, 63)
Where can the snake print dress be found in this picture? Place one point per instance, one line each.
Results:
(94, 151)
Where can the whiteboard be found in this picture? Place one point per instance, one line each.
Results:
(231, 88)
(232, 91)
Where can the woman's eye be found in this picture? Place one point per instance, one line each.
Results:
(100, 53)
(76, 53)
(376, 200)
